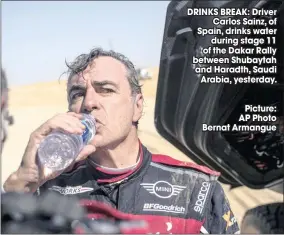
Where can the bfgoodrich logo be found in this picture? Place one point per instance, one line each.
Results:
(163, 189)
(163, 208)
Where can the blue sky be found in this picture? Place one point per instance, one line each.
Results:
(38, 36)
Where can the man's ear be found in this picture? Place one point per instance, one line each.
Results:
(138, 107)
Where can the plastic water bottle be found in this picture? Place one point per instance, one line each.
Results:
(58, 150)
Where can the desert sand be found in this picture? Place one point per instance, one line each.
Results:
(32, 104)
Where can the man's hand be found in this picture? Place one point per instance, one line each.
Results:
(22, 179)
(18, 180)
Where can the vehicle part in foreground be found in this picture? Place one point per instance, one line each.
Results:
(265, 219)
(56, 214)
(184, 104)
(264, 149)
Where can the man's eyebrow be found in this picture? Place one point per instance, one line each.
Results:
(104, 83)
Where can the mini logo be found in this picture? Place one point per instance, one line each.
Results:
(163, 189)
(70, 190)
(163, 208)
(201, 198)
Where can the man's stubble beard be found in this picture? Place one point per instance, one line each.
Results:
(112, 144)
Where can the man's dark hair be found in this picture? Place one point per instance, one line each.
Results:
(83, 60)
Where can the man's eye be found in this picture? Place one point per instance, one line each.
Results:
(76, 95)
(107, 90)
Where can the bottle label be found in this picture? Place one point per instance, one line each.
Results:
(88, 133)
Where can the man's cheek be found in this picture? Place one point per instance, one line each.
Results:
(76, 108)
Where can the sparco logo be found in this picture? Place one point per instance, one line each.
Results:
(164, 208)
(201, 198)
(163, 189)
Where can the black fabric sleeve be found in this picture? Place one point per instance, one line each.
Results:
(220, 218)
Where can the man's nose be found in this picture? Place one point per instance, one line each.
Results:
(91, 100)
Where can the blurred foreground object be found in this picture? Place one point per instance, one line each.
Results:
(24, 213)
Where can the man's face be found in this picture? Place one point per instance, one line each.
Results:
(104, 91)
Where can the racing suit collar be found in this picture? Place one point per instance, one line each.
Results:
(101, 175)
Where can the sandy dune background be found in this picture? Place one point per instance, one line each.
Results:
(32, 104)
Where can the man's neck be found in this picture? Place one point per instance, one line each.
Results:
(123, 155)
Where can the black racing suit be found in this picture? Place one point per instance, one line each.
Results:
(171, 195)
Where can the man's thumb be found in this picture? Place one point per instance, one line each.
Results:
(85, 152)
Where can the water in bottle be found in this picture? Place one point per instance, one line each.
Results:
(58, 150)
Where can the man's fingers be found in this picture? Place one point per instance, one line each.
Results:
(32, 178)
(86, 151)
(28, 174)
(33, 170)
(74, 122)
(65, 128)
(67, 122)
(69, 125)
(77, 115)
